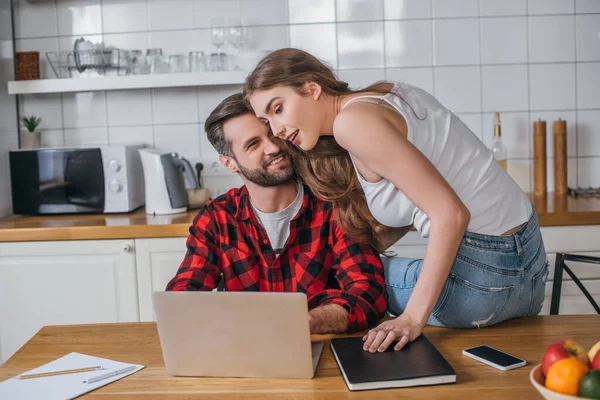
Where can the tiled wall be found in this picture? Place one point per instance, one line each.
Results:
(526, 59)
(8, 106)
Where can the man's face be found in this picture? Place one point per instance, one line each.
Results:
(256, 157)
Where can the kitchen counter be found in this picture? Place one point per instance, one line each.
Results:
(552, 211)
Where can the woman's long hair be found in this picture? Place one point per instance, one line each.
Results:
(327, 168)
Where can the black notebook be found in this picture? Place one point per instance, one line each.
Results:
(418, 363)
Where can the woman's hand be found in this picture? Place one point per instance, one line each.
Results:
(403, 328)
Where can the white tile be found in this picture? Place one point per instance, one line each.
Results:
(84, 109)
(43, 45)
(588, 85)
(406, 9)
(420, 77)
(587, 172)
(46, 106)
(588, 133)
(359, 10)
(183, 139)
(545, 7)
(550, 117)
(52, 138)
(504, 88)
(458, 88)
(455, 8)
(210, 96)
(129, 107)
(86, 136)
(177, 42)
(174, 106)
(207, 151)
(490, 8)
(218, 185)
(34, 19)
(587, 6)
(358, 79)
(264, 12)
(306, 11)
(267, 37)
(128, 41)
(124, 16)
(206, 10)
(520, 171)
(571, 173)
(6, 27)
(588, 37)
(552, 38)
(552, 87)
(174, 14)
(504, 40)
(79, 17)
(131, 135)
(455, 42)
(408, 43)
(317, 39)
(515, 133)
(360, 45)
(473, 122)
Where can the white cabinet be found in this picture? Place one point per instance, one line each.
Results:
(157, 263)
(66, 282)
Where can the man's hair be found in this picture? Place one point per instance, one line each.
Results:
(233, 106)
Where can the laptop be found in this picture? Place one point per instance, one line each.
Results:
(236, 334)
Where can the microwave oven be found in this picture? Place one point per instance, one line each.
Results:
(106, 179)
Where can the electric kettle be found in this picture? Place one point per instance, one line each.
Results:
(164, 178)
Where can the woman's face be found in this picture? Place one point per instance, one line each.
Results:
(291, 115)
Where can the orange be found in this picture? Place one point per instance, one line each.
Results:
(564, 375)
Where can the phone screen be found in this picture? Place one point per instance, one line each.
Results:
(493, 355)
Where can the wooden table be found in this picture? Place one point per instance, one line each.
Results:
(138, 343)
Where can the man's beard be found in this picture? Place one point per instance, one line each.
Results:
(265, 178)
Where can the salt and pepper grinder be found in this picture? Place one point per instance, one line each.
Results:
(560, 157)
(539, 158)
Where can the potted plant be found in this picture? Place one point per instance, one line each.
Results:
(30, 137)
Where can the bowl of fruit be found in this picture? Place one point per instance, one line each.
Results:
(568, 372)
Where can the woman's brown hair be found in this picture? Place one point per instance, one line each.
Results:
(327, 168)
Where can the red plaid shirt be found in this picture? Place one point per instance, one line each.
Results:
(318, 259)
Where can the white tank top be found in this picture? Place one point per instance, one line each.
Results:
(495, 201)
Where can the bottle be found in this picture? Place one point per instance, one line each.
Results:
(498, 148)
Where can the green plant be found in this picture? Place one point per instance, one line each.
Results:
(31, 123)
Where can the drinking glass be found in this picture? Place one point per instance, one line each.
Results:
(217, 34)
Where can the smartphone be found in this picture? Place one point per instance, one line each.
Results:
(494, 358)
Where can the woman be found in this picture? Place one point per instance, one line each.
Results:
(390, 157)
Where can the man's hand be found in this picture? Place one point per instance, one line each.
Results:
(330, 318)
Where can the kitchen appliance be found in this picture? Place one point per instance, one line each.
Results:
(164, 178)
(106, 179)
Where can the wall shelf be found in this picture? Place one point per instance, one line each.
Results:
(127, 82)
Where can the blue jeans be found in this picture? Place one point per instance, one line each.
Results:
(493, 278)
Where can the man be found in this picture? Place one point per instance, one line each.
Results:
(272, 234)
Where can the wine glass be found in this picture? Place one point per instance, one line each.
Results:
(217, 34)
(234, 37)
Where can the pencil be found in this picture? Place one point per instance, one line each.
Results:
(62, 372)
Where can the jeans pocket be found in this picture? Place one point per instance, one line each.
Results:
(468, 305)
(538, 289)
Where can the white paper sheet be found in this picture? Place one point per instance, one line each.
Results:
(62, 387)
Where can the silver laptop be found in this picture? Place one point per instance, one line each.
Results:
(236, 334)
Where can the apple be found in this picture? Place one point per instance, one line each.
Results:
(593, 351)
(563, 349)
(596, 361)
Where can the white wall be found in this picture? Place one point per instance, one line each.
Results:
(8, 106)
(527, 59)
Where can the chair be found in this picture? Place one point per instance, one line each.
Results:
(559, 266)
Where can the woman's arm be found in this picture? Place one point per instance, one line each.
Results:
(370, 136)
